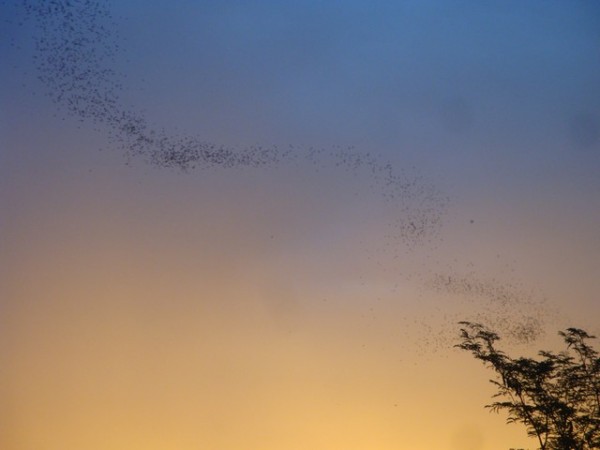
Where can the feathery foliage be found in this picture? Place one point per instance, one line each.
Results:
(557, 397)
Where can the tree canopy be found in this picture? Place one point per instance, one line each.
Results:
(557, 397)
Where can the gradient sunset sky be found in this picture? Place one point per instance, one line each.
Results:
(319, 192)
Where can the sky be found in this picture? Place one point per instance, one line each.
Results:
(255, 225)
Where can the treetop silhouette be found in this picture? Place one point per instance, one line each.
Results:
(557, 397)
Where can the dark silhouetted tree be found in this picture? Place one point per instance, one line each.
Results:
(557, 397)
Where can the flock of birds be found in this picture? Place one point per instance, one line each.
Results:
(76, 52)
(505, 302)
